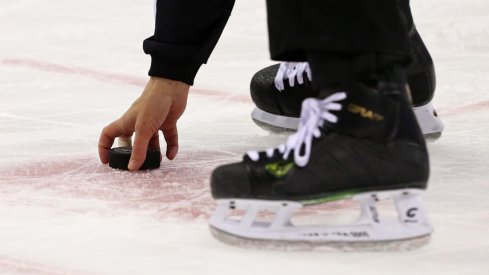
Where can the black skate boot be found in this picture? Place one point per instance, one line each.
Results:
(362, 143)
(278, 91)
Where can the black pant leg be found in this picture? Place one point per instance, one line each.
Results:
(406, 12)
(299, 26)
(340, 39)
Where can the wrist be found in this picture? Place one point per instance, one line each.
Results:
(167, 86)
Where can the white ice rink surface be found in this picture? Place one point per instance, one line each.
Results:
(68, 68)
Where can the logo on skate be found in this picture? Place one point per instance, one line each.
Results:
(412, 212)
(411, 215)
(279, 169)
(364, 112)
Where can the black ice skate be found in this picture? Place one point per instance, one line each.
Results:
(278, 91)
(361, 143)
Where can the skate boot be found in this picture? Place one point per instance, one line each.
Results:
(278, 91)
(361, 143)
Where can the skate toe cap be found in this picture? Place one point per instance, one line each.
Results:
(230, 181)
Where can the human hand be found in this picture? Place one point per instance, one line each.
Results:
(159, 107)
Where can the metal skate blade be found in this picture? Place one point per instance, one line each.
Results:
(271, 128)
(282, 245)
(432, 137)
(429, 122)
(274, 123)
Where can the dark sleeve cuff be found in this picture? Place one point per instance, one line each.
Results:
(185, 36)
(168, 61)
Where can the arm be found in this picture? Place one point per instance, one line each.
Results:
(186, 32)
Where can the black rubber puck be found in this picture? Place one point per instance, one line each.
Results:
(119, 158)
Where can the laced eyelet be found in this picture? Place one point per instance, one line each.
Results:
(292, 71)
(314, 113)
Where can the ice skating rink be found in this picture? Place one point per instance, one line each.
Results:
(68, 68)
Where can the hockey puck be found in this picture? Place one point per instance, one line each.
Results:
(119, 158)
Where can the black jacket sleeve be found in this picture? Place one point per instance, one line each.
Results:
(186, 32)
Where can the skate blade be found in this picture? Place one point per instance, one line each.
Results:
(432, 137)
(321, 246)
(274, 123)
(272, 128)
(429, 122)
(371, 231)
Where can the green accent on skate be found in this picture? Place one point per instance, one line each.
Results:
(332, 197)
(280, 168)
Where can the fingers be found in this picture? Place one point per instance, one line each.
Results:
(109, 133)
(171, 138)
(144, 133)
(146, 115)
(142, 141)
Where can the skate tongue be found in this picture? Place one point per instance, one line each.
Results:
(314, 113)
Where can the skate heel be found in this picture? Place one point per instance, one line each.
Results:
(411, 221)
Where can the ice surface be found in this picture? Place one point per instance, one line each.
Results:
(67, 68)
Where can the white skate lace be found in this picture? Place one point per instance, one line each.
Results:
(291, 71)
(314, 113)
